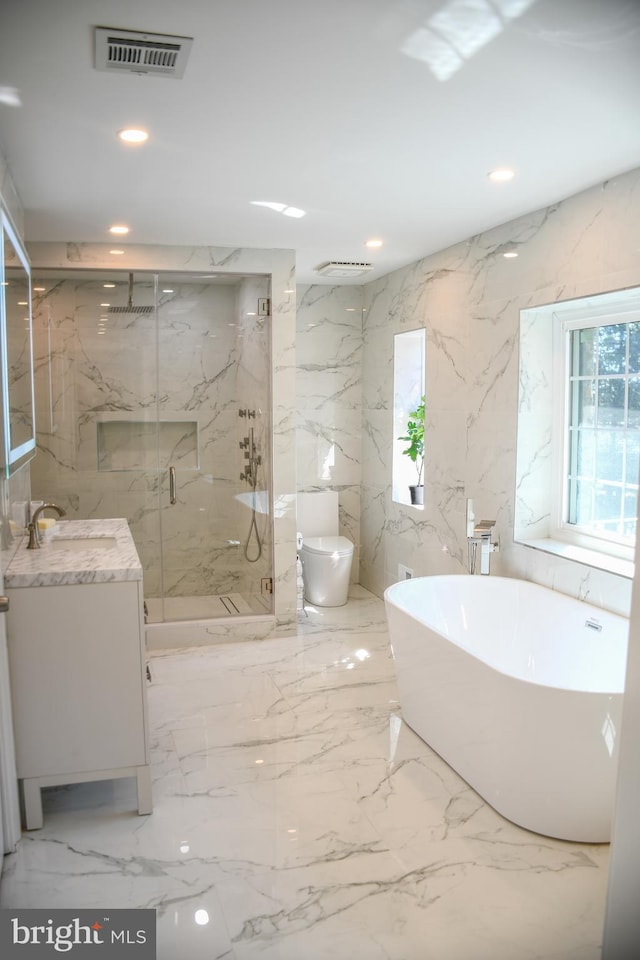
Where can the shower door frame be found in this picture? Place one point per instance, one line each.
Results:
(279, 265)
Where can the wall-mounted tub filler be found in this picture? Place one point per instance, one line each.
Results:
(484, 540)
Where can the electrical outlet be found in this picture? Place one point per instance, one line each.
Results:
(404, 573)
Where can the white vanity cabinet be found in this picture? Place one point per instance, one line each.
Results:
(78, 682)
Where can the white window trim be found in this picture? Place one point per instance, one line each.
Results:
(538, 463)
(564, 322)
(409, 375)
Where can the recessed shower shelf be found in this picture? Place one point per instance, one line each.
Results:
(147, 444)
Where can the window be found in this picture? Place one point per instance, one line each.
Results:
(602, 429)
(578, 451)
(408, 396)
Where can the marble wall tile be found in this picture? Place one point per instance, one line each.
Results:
(469, 299)
(329, 399)
(620, 252)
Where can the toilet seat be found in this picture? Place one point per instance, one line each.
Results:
(328, 546)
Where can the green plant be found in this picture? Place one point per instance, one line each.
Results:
(415, 438)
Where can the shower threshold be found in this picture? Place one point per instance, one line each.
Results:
(196, 621)
(198, 608)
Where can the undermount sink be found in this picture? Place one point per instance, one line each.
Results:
(83, 543)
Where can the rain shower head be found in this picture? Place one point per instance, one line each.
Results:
(130, 307)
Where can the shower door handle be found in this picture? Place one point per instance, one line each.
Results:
(173, 498)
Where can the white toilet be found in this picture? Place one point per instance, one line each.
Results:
(326, 557)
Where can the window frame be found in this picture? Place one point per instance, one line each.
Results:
(568, 318)
(409, 386)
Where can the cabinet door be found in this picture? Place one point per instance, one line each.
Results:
(77, 675)
(9, 805)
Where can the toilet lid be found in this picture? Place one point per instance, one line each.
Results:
(328, 545)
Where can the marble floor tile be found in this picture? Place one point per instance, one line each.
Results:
(296, 817)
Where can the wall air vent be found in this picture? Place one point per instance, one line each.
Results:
(137, 52)
(343, 268)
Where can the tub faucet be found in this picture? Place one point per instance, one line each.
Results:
(484, 537)
(34, 533)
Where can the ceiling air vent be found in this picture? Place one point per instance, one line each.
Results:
(343, 268)
(137, 52)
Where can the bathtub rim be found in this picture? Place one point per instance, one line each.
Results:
(388, 597)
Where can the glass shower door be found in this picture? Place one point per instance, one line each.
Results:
(153, 400)
(213, 436)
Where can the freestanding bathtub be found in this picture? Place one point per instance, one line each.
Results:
(519, 689)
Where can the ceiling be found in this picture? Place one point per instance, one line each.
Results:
(379, 118)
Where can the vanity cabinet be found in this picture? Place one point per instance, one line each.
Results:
(78, 682)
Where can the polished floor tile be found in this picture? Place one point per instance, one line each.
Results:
(296, 817)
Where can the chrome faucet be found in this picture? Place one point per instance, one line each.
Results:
(34, 533)
(485, 538)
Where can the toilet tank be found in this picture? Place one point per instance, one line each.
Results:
(317, 513)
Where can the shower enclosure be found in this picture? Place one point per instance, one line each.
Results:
(153, 403)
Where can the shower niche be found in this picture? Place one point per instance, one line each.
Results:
(140, 444)
(139, 389)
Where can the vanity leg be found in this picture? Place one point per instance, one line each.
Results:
(143, 777)
(32, 797)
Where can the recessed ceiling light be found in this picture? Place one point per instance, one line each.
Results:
(119, 228)
(10, 96)
(501, 175)
(105, 304)
(272, 205)
(510, 254)
(133, 135)
(116, 253)
(373, 243)
(293, 212)
(108, 285)
(167, 290)
(39, 289)
(282, 208)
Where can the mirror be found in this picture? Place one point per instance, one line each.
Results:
(16, 372)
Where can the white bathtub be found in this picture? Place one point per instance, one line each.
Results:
(519, 691)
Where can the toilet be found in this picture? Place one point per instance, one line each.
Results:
(325, 556)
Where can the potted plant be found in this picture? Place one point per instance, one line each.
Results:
(415, 451)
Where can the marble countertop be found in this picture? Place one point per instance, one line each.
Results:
(64, 559)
